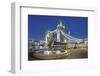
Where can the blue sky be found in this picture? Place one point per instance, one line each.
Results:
(38, 25)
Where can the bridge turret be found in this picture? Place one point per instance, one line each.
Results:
(69, 32)
(61, 26)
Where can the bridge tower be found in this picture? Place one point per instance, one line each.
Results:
(60, 27)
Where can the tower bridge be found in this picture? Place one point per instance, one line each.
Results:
(58, 38)
(59, 35)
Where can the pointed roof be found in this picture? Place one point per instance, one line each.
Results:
(60, 25)
(60, 22)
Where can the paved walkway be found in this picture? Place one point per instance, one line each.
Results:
(77, 53)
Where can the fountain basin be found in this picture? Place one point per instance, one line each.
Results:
(50, 54)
